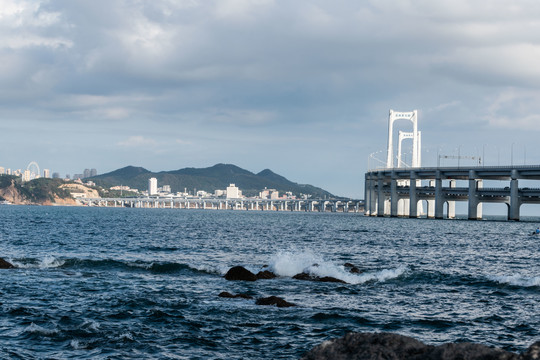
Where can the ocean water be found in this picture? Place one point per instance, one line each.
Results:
(113, 283)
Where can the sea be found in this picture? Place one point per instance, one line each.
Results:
(122, 283)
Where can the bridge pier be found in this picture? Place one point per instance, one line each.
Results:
(394, 199)
(515, 203)
(413, 196)
(439, 199)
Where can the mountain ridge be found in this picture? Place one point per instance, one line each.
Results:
(216, 177)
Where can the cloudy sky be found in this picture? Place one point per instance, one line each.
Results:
(300, 87)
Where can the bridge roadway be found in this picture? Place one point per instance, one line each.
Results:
(320, 205)
(401, 190)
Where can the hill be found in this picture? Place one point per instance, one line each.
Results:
(40, 191)
(216, 177)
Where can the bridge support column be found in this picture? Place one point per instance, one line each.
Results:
(372, 198)
(380, 195)
(452, 204)
(439, 198)
(515, 203)
(367, 194)
(413, 197)
(473, 197)
(393, 196)
(431, 203)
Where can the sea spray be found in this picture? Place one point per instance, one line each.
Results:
(516, 280)
(290, 263)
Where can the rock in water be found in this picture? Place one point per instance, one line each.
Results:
(355, 346)
(274, 300)
(266, 274)
(6, 265)
(352, 268)
(226, 294)
(309, 277)
(240, 273)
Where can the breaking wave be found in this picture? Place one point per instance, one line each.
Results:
(290, 263)
(517, 280)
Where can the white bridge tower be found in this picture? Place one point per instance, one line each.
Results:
(414, 135)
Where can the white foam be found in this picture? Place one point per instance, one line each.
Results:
(48, 261)
(51, 262)
(517, 280)
(290, 263)
(36, 329)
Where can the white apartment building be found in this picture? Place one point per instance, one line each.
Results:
(233, 192)
(152, 186)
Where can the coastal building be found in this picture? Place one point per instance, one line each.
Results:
(166, 189)
(46, 173)
(2, 170)
(218, 193)
(26, 176)
(233, 192)
(152, 186)
(269, 194)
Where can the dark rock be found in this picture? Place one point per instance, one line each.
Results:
(240, 273)
(303, 276)
(330, 279)
(306, 276)
(533, 352)
(228, 295)
(6, 265)
(455, 351)
(352, 269)
(355, 346)
(266, 274)
(274, 300)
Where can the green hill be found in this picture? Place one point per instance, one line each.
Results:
(216, 177)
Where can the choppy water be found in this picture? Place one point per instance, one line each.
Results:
(143, 283)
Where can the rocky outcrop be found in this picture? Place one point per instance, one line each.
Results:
(228, 295)
(5, 264)
(352, 268)
(11, 194)
(240, 273)
(266, 274)
(356, 346)
(274, 300)
(309, 277)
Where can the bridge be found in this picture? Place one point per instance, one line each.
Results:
(398, 191)
(309, 205)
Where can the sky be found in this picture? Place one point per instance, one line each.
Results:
(300, 87)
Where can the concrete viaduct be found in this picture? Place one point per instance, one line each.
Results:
(401, 191)
(318, 205)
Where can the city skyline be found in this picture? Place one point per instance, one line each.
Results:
(301, 88)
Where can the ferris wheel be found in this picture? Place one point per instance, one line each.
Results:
(33, 168)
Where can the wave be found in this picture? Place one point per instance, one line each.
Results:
(516, 280)
(50, 261)
(290, 263)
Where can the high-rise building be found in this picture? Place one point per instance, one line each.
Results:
(152, 186)
(26, 175)
(2, 171)
(56, 175)
(233, 192)
(93, 172)
(46, 173)
(86, 173)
